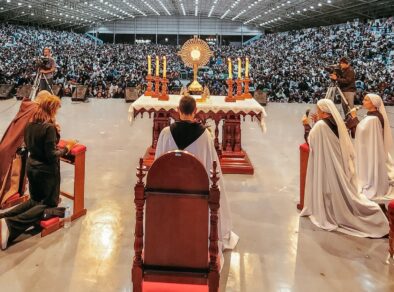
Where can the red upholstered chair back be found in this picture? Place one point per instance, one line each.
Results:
(176, 213)
(179, 207)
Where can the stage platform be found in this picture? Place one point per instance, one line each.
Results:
(277, 250)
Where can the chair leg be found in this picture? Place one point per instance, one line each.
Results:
(136, 276)
(213, 281)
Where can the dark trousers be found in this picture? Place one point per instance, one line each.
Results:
(44, 85)
(22, 217)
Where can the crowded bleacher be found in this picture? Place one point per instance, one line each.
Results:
(288, 66)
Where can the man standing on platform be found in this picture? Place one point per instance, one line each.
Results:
(346, 83)
(47, 69)
(189, 135)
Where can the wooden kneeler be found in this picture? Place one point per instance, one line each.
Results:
(176, 253)
(390, 215)
(76, 157)
(304, 155)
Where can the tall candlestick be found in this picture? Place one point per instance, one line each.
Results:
(164, 67)
(247, 68)
(149, 65)
(157, 65)
(230, 70)
(239, 68)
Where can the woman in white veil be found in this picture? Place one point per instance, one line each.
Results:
(373, 142)
(331, 198)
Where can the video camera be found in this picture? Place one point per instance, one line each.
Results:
(333, 69)
(43, 63)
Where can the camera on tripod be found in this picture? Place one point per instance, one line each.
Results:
(333, 69)
(43, 63)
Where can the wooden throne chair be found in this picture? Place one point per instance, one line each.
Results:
(176, 253)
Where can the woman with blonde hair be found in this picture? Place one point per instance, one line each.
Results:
(43, 170)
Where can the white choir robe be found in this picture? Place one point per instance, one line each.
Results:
(331, 198)
(204, 150)
(374, 166)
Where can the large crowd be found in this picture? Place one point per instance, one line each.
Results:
(288, 66)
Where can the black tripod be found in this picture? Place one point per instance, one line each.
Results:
(36, 85)
(332, 92)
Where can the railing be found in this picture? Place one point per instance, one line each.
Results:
(97, 40)
(252, 40)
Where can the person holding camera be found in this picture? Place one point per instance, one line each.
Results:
(346, 83)
(47, 68)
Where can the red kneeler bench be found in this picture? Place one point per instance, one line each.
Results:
(14, 200)
(390, 213)
(304, 155)
(75, 157)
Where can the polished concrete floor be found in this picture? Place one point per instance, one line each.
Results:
(277, 250)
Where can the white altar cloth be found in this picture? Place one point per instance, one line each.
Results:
(214, 103)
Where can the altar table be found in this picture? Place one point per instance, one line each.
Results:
(233, 158)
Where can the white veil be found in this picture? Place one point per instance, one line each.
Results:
(347, 150)
(378, 103)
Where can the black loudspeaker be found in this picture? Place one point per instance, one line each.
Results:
(261, 97)
(5, 91)
(24, 91)
(80, 93)
(131, 94)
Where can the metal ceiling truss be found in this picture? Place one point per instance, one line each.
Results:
(275, 15)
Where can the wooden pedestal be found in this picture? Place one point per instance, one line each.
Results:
(233, 159)
(236, 163)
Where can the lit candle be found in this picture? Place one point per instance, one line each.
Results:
(247, 68)
(239, 68)
(157, 66)
(164, 67)
(149, 65)
(230, 70)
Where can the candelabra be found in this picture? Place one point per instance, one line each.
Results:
(156, 93)
(246, 94)
(229, 97)
(164, 89)
(149, 91)
(239, 95)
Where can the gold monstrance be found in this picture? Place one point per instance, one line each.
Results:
(195, 53)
